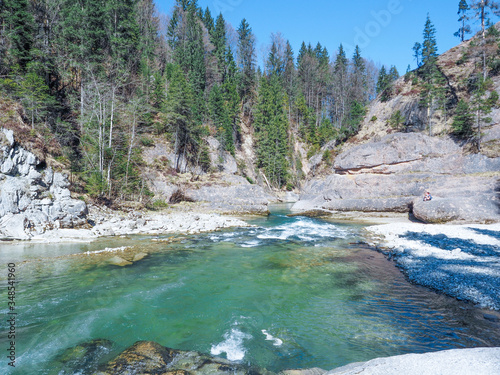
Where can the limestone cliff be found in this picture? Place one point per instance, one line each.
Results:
(33, 197)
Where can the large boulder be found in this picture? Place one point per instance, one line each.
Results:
(479, 208)
(147, 357)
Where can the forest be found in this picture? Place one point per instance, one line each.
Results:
(103, 77)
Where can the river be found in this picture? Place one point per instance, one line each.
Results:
(291, 292)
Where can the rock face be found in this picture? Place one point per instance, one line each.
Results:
(33, 198)
(146, 357)
(485, 361)
(234, 195)
(220, 190)
(392, 174)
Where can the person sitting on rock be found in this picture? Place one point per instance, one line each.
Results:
(427, 196)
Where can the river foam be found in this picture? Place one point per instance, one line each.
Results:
(232, 345)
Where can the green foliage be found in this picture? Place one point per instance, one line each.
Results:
(246, 58)
(374, 118)
(463, 121)
(94, 183)
(429, 46)
(18, 27)
(147, 142)
(271, 127)
(157, 205)
(384, 82)
(396, 121)
(34, 94)
(464, 29)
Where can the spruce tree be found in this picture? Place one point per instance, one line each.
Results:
(177, 114)
(19, 27)
(208, 21)
(429, 46)
(219, 42)
(463, 120)
(271, 128)
(246, 58)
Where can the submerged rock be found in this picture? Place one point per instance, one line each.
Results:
(81, 359)
(119, 261)
(147, 357)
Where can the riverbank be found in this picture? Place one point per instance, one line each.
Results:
(461, 261)
(108, 223)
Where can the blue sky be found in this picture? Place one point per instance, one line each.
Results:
(386, 30)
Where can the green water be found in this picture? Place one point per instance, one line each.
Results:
(321, 300)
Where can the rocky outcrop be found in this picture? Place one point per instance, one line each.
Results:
(220, 190)
(147, 357)
(233, 194)
(392, 174)
(33, 198)
(485, 361)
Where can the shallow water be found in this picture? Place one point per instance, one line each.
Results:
(289, 293)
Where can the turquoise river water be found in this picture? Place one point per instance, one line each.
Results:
(292, 292)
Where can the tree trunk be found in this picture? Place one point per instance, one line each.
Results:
(478, 118)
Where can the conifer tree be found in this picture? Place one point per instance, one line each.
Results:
(178, 117)
(482, 9)
(358, 78)
(208, 21)
(246, 58)
(219, 41)
(429, 46)
(19, 28)
(463, 120)
(340, 88)
(484, 99)
(417, 53)
(271, 128)
(463, 8)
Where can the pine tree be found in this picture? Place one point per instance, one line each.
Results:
(393, 74)
(177, 114)
(246, 58)
(463, 8)
(483, 8)
(483, 100)
(289, 74)
(429, 46)
(340, 88)
(417, 53)
(271, 128)
(34, 93)
(463, 120)
(208, 21)
(219, 42)
(19, 27)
